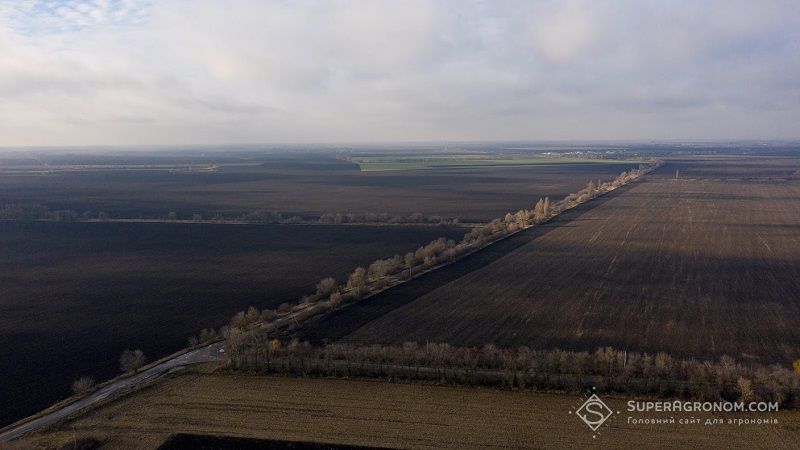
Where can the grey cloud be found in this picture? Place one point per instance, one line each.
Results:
(262, 71)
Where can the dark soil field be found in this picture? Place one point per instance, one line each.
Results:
(699, 266)
(737, 168)
(303, 184)
(74, 295)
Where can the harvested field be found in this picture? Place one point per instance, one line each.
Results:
(696, 267)
(734, 168)
(455, 161)
(74, 295)
(373, 413)
(302, 184)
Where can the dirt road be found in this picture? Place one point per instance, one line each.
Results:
(204, 354)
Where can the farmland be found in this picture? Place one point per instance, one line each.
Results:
(699, 259)
(372, 413)
(302, 184)
(455, 161)
(74, 295)
(699, 266)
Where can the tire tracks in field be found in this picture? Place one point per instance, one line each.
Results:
(601, 287)
(342, 322)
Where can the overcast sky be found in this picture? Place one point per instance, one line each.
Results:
(255, 71)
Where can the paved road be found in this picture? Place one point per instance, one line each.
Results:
(203, 354)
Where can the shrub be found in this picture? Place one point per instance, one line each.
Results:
(131, 360)
(326, 286)
(83, 385)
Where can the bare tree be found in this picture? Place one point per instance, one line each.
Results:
(540, 210)
(82, 385)
(335, 299)
(252, 315)
(239, 321)
(745, 389)
(409, 260)
(326, 286)
(377, 270)
(522, 217)
(357, 280)
(131, 360)
(591, 189)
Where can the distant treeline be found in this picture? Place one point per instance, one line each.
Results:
(607, 369)
(383, 273)
(35, 211)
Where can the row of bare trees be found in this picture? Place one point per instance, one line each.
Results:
(129, 361)
(35, 211)
(338, 218)
(543, 210)
(607, 369)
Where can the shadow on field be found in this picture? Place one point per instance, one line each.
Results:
(342, 322)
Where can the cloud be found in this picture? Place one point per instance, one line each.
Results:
(142, 72)
(564, 32)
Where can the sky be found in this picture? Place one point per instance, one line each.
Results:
(137, 72)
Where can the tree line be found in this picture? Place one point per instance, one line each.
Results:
(35, 211)
(607, 369)
(129, 362)
(339, 218)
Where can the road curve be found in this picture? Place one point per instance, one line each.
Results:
(203, 354)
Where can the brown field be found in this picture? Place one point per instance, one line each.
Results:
(737, 168)
(374, 413)
(697, 267)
